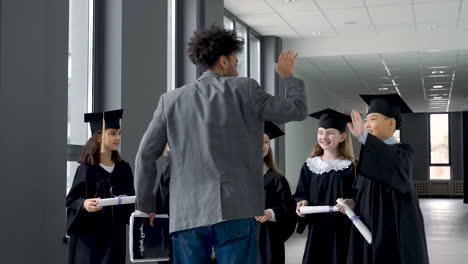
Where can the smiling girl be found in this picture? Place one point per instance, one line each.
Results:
(98, 234)
(325, 176)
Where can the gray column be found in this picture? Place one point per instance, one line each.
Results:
(131, 63)
(33, 103)
(270, 51)
(192, 15)
(415, 131)
(456, 140)
(465, 155)
(144, 67)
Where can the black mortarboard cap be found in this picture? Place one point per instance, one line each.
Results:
(391, 105)
(112, 120)
(329, 118)
(272, 130)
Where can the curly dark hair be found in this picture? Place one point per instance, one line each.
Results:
(207, 45)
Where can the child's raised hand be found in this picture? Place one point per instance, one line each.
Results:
(91, 205)
(299, 205)
(357, 126)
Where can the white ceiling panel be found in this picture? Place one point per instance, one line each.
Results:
(266, 22)
(339, 4)
(281, 6)
(340, 17)
(312, 20)
(441, 13)
(395, 29)
(237, 7)
(387, 2)
(388, 15)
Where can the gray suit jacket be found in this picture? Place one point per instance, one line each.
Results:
(214, 127)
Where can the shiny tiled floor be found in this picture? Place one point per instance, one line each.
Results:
(446, 222)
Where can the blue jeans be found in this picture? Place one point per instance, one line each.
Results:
(234, 241)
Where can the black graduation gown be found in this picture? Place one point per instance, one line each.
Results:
(328, 237)
(272, 235)
(98, 237)
(388, 206)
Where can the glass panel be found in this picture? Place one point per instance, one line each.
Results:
(228, 23)
(242, 56)
(71, 169)
(439, 138)
(79, 72)
(440, 173)
(254, 47)
(397, 135)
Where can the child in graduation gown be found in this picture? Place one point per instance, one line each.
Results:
(279, 220)
(386, 200)
(326, 175)
(98, 234)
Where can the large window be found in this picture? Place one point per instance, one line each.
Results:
(254, 57)
(440, 150)
(242, 56)
(249, 60)
(80, 79)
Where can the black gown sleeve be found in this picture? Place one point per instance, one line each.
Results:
(387, 164)
(75, 199)
(302, 193)
(285, 208)
(162, 192)
(303, 186)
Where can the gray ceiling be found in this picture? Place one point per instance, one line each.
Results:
(418, 48)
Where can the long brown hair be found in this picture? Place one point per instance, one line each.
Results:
(268, 159)
(344, 149)
(91, 152)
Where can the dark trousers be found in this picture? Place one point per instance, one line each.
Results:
(234, 241)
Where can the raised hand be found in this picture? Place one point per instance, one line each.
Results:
(357, 126)
(285, 65)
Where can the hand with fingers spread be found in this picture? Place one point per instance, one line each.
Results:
(299, 205)
(357, 126)
(349, 202)
(91, 205)
(285, 65)
(262, 219)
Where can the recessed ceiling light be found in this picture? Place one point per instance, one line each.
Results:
(438, 86)
(316, 33)
(433, 26)
(383, 88)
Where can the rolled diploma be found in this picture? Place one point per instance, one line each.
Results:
(116, 201)
(317, 209)
(357, 223)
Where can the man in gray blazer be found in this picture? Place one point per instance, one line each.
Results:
(214, 127)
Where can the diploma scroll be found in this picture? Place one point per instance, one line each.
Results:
(317, 209)
(116, 201)
(362, 228)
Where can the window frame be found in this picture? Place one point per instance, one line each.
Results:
(449, 164)
(250, 32)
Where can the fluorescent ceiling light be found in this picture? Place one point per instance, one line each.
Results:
(383, 88)
(438, 86)
(437, 72)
